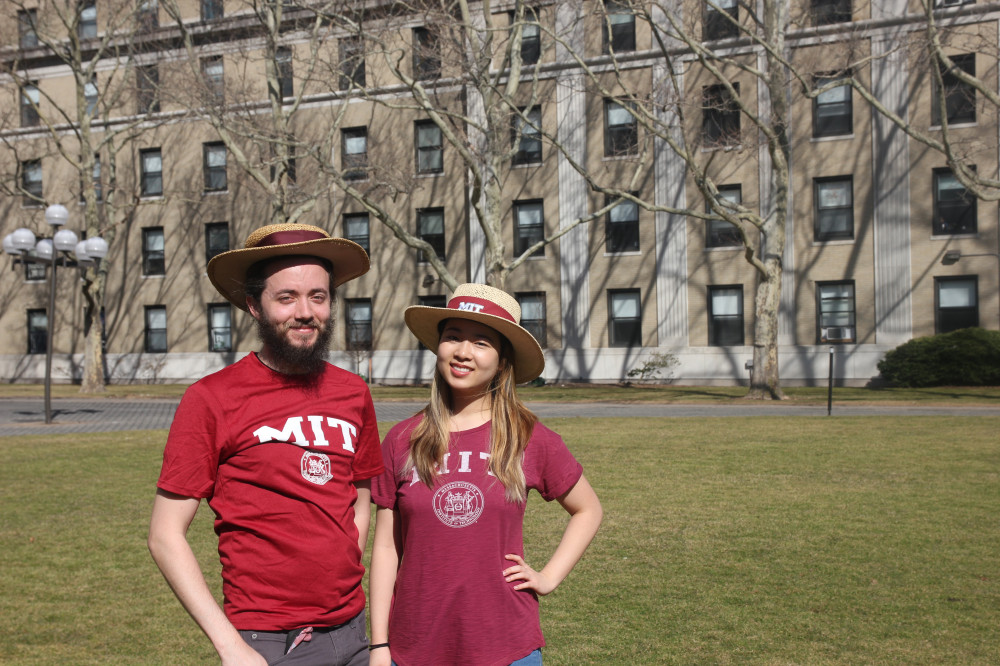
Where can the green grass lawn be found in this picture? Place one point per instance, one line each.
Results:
(726, 541)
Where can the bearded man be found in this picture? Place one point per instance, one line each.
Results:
(282, 445)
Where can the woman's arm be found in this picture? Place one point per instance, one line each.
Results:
(585, 517)
(382, 581)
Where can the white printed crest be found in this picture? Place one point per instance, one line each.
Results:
(316, 468)
(458, 504)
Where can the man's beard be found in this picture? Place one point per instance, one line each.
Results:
(295, 359)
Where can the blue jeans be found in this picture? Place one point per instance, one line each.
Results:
(533, 659)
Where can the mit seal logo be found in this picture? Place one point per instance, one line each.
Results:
(315, 468)
(458, 504)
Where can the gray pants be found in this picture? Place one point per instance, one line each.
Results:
(345, 645)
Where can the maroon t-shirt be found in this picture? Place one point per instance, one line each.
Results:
(451, 604)
(277, 457)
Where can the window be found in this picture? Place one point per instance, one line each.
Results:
(147, 15)
(527, 136)
(624, 318)
(833, 199)
(618, 33)
(431, 301)
(531, 32)
(214, 166)
(30, 100)
(720, 233)
(31, 182)
(621, 227)
(283, 68)
(959, 97)
(954, 206)
(356, 228)
(354, 152)
(533, 314)
(156, 329)
(151, 166)
(826, 12)
(956, 303)
(833, 113)
(725, 316)
(359, 324)
(27, 28)
(430, 153)
(426, 56)
(95, 177)
(147, 89)
(35, 271)
(153, 256)
(38, 331)
(720, 20)
(213, 74)
(621, 132)
(430, 227)
(211, 9)
(720, 123)
(216, 239)
(352, 63)
(90, 96)
(529, 226)
(86, 28)
(220, 332)
(836, 316)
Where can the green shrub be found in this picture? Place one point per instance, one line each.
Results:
(968, 357)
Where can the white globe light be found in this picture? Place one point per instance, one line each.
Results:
(8, 244)
(44, 250)
(65, 240)
(56, 215)
(81, 251)
(23, 239)
(97, 247)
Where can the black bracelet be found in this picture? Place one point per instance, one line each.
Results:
(377, 646)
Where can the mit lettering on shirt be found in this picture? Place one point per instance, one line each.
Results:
(292, 432)
(464, 457)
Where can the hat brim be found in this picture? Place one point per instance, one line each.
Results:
(228, 271)
(529, 360)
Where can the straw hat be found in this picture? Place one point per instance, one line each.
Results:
(228, 271)
(486, 305)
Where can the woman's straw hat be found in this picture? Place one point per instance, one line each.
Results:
(228, 271)
(486, 305)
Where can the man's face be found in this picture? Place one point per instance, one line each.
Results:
(294, 316)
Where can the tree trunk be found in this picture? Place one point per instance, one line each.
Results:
(93, 347)
(765, 383)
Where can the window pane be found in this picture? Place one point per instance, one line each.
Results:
(726, 302)
(431, 223)
(957, 294)
(624, 306)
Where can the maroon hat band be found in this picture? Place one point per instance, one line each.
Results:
(479, 306)
(289, 237)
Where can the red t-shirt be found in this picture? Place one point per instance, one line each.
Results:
(277, 457)
(451, 604)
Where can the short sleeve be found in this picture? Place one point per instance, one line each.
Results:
(395, 448)
(549, 467)
(368, 458)
(194, 446)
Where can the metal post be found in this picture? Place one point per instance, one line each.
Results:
(829, 387)
(48, 341)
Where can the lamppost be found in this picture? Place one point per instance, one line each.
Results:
(54, 251)
(953, 256)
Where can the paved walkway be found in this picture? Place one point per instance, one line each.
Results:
(24, 416)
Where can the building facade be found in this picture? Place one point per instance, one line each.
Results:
(883, 241)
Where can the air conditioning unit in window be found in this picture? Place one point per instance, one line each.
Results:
(950, 3)
(838, 334)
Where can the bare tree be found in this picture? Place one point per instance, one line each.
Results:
(90, 125)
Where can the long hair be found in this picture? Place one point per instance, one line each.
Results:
(510, 430)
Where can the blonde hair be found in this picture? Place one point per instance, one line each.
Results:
(510, 429)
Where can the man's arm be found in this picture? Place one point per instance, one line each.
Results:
(168, 544)
(363, 512)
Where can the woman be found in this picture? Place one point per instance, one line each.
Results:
(449, 583)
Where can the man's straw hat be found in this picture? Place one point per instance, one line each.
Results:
(228, 271)
(486, 305)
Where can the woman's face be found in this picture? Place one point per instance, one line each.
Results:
(468, 355)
